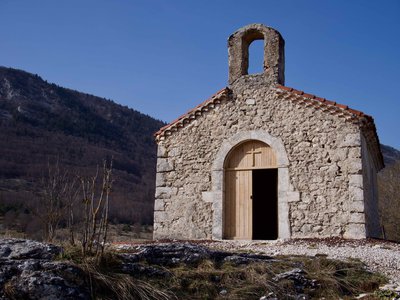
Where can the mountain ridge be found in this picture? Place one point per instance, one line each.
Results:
(390, 154)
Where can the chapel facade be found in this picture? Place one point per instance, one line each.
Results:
(259, 160)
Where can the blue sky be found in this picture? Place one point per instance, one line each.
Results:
(164, 57)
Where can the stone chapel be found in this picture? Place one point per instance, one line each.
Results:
(262, 161)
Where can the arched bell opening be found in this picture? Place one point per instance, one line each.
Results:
(273, 52)
(256, 57)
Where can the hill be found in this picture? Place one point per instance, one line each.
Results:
(390, 154)
(389, 193)
(42, 122)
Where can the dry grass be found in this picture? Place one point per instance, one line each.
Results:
(208, 280)
(341, 278)
(9, 290)
(106, 284)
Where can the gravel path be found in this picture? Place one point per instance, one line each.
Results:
(380, 256)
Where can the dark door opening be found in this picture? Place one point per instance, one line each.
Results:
(265, 204)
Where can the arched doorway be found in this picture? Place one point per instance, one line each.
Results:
(251, 192)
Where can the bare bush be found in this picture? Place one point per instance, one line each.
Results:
(58, 192)
(96, 210)
(79, 203)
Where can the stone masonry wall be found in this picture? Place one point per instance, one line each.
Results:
(370, 192)
(324, 155)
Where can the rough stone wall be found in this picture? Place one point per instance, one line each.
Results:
(373, 226)
(324, 155)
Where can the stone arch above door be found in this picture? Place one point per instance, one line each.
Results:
(286, 193)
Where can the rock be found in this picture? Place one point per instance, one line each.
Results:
(28, 272)
(300, 281)
(394, 287)
(295, 274)
(49, 280)
(269, 296)
(174, 254)
(137, 269)
(24, 249)
(243, 258)
(364, 295)
(223, 292)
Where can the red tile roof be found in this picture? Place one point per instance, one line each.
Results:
(333, 107)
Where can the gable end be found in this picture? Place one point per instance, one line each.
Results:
(193, 114)
(364, 121)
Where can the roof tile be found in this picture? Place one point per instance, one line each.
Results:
(328, 103)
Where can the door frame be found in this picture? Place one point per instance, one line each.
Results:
(286, 192)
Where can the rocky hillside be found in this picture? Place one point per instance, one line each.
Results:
(390, 154)
(389, 199)
(389, 193)
(41, 122)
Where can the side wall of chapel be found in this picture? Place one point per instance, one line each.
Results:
(325, 165)
(369, 189)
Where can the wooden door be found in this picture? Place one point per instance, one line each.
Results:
(239, 166)
(238, 210)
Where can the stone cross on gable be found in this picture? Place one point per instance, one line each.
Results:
(253, 152)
